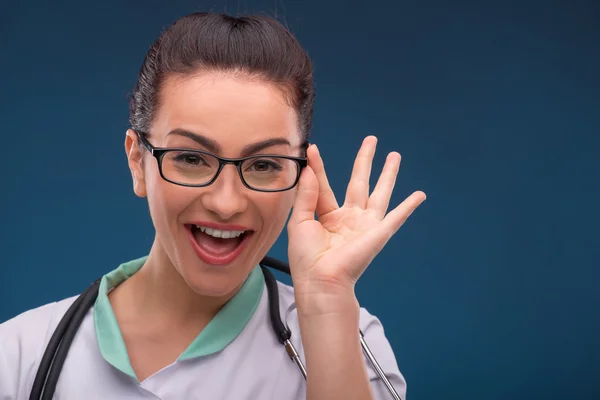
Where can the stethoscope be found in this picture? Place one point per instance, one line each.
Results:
(55, 355)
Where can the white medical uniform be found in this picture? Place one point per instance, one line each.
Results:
(236, 356)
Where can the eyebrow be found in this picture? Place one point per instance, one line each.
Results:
(214, 147)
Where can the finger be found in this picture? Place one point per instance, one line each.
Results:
(380, 198)
(396, 218)
(326, 202)
(306, 197)
(357, 193)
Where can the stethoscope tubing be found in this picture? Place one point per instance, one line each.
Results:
(58, 347)
(284, 334)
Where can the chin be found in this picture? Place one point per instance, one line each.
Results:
(215, 267)
(215, 281)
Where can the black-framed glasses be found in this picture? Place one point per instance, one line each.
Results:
(197, 168)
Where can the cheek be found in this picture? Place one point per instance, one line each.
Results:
(166, 200)
(274, 209)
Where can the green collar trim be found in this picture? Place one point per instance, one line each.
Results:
(229, 322)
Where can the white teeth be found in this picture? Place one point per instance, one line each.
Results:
(219, 233)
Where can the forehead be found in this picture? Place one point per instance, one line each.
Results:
(232, 110)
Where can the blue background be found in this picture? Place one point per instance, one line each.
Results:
(490, 291)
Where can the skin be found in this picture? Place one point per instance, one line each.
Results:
(327, 256)
(175, 294)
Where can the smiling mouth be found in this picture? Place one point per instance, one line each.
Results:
(215, 246)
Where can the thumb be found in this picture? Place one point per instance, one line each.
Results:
(307, 195)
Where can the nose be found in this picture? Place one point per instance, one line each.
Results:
(225, 197)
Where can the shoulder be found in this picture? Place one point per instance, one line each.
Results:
(368, 322)
(23, 339)
(374, 337)
(32, 325)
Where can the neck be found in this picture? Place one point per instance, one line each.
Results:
(159, 292)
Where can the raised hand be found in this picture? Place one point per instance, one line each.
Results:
(328, 254)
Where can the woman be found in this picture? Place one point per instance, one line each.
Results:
(190, 320)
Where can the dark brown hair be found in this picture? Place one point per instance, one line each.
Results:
(258, 46)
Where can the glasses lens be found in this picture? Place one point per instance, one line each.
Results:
(189, 167)
(270, 173)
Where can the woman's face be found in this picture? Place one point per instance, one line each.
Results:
(229, 116)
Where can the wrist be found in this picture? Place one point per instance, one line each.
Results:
(318, 299)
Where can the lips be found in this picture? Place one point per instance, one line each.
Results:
(218, 244)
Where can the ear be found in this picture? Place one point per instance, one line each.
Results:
(134, 160)
(295, 195)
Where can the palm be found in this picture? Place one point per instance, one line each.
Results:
(336, 238)
(344, 240)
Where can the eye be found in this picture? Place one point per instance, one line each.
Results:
(189, 158)
(264, 165)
